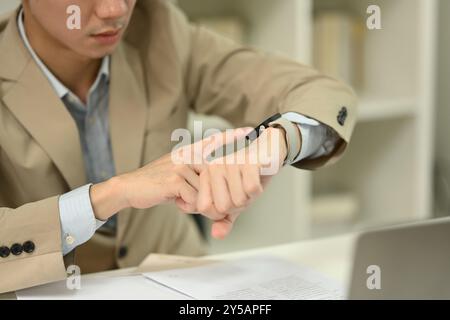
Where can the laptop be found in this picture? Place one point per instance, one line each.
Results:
(403, 262)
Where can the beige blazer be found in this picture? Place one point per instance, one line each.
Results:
(163, 68)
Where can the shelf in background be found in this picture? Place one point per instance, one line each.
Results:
(385, 176)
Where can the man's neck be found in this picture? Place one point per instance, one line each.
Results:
(75, 72)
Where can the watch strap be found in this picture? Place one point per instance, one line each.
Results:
(293, 138)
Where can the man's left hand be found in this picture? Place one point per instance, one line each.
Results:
(229, 184)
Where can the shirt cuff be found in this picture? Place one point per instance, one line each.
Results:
(317, 139)
(78, 223)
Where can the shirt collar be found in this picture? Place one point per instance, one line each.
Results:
(60, 89)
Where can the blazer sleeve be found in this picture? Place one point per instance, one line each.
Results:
(245, 86)
(37, 222)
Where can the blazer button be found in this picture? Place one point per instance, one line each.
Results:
(4, 252)
(29, 247)
(342, 116)
(123, 251)
(16, 249)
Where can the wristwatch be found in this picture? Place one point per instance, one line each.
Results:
(291, 131)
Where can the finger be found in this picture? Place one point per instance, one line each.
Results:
(222, 228)
(188, 194)
(235, 186)
(205, 199)
(251, 180)
(184, 206)
(265, 180)
(239, 209)
(221, 139)
(221, 195)
(191, 177)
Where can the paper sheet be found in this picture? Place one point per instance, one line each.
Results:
(159, 262)
(135, 287)
(256, 278)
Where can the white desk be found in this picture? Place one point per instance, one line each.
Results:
(330, 256)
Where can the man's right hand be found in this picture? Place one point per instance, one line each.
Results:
(158, 182)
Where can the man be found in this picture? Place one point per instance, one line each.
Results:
(86, 116)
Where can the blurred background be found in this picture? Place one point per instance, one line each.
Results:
(397, 167)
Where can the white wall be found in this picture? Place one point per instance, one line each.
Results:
(443, 111)
(443, 118)
(7, 5)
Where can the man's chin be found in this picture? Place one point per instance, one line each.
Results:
(98, 54)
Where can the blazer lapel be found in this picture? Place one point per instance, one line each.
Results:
(34, 103)
(128, 114)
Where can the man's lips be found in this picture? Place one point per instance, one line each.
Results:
(107, 37)
(107, 33)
